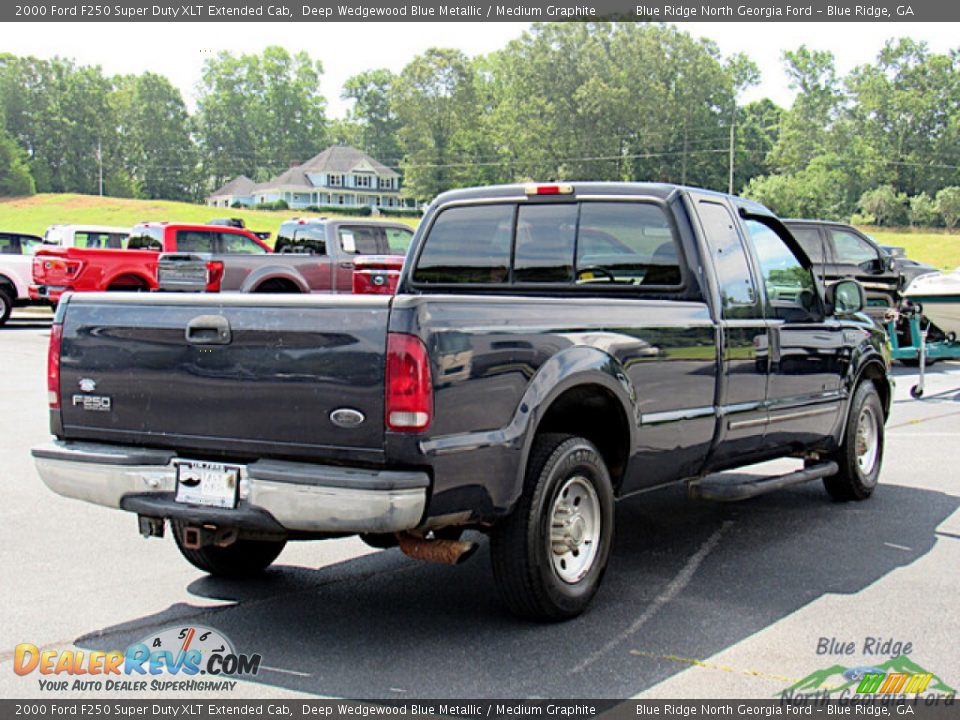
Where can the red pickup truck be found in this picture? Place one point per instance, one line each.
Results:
(58, 270)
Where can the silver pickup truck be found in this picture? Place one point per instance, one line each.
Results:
(312, 255)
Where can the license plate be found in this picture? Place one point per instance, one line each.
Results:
(204, 483)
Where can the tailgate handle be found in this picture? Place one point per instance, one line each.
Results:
(209, 330)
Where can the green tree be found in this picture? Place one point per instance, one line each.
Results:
(373, 114)
(158, 154)
(15, 176)
(258, 113)
(885, 204)
(817, 191)
(923, 211)
(948, 203)
(435, 100)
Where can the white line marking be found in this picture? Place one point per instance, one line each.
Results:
(923, 434)
(285, 672)
(674, 588)
(898, 547)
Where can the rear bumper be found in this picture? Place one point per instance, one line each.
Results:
(47, 293)
(274, 495)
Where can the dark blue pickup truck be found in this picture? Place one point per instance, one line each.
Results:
(551, 348)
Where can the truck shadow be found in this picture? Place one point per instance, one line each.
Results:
(384, 626)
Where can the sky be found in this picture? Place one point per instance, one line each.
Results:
(178, 50)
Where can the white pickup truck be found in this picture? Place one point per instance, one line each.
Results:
(87, 236)
(16, 258)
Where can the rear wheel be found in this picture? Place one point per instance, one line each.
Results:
(6, 305)
(243, 558)
(550, 554)
(861, 453)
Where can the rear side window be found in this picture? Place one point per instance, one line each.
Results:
(738, 295)
(9, 245)
(359, 240)
(99, 240)
(468, 244)
(200, 241)
(811, 242)
(146, 238)
(302, 240)
(29, 244)
(237, 244)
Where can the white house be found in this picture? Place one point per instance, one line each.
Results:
(340, 175)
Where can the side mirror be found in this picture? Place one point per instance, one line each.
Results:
(845, 297)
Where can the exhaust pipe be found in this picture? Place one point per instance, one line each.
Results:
(438, 550)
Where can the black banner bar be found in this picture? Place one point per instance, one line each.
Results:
(921, 708)
(474, 11)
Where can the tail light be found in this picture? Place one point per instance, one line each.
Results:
(214, 275)
(409, 385)
(70, 268)
(53, 366)
(38, 271)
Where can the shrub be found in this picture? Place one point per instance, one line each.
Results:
(923, 211)
(364, 211)
(885, 204)
(948, 203)
(273, 205)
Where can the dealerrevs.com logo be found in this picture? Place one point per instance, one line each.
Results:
(174, 659)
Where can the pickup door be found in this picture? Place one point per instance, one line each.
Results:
(172, 364)
(783, 359)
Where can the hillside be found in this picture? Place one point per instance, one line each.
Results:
(35, 214)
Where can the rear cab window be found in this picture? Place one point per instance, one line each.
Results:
(199, 241)
(595, 245)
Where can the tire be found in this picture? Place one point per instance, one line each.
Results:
(242, 559)
(6, 307)
(861, 453)
(566, 478)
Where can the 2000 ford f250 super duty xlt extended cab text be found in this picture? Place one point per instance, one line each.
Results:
(550, 348)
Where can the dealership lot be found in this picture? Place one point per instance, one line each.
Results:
(700, 600)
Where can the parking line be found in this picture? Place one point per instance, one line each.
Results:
(674, 588)
(714, 666)
(898, 547)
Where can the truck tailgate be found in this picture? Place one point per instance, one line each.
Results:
(249, 375)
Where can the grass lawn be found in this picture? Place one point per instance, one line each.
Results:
(933, 246)
(35, 214)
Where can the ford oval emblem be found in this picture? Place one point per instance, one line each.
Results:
(347, 417)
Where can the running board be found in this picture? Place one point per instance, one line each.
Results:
(715, 487)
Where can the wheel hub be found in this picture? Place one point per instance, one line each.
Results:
(574, 529)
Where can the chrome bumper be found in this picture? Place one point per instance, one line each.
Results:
(298, 496)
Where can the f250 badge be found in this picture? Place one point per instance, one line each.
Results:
(94, 403)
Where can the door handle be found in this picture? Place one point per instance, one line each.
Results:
(347, 265)
(209, 330)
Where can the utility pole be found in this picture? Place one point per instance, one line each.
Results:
(733, 123)
(100, 164)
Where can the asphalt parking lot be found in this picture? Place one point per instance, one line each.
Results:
(701, 600)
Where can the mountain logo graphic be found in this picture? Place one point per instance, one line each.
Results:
(896, 675)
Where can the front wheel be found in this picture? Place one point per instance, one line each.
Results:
(861, 453)
(550, 554)
(6, 306)
(241, 559)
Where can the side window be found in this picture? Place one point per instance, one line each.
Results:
(29, 245)
(789, 285)
(200, 241)
(811, 241)
(398, 239)
(738, 296)
(544, 245)
(359, 240)
(852, 249)
(9, 245)
(469, 244)
(147, 238)
(237, 244)
(626, 243)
